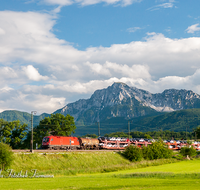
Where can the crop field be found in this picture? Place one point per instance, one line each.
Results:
(144, 176)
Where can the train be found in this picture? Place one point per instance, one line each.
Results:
(69, 143)
(75, 143)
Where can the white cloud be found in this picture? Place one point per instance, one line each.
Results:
(2, 32)
(192, 29)
(136, 71)
(190, 82)
(33, 73)
(7, 72)
(168, 4)
(19, 75)
(59, 2)
(90, 2)
(112, 69)
(98, 68)
(133, 29)
(17, 100)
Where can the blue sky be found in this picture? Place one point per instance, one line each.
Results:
(104, 24)
(53, 52)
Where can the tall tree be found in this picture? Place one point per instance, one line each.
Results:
(57, 125)
(13, 133)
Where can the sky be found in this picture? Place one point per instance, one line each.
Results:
(55, 52)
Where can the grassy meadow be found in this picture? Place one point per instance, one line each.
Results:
(104, 182)
(72, 163)
(102, 170)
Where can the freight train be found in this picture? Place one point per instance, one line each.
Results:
(72, 143)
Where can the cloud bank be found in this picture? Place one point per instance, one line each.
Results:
(41, 72)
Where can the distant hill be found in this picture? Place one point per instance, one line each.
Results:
(173, 121)
(24, 117)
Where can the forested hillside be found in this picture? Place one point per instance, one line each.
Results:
(24, 117)
(173, 121)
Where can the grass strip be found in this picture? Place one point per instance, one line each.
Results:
(160, 175)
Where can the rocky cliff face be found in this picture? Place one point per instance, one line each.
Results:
(120, 100)
(172, 100)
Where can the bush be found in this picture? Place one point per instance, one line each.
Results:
(6, 156)
(133, 153)
(178, 156)
(190, 151)
(156, 150)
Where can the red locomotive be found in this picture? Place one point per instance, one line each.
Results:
(65, 143)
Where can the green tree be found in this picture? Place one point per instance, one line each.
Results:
(133, 153)
(57, 125)
(18, 135)
(197, 131)
(156, 150)
(190, 151)
(5, 131)
(90, 135)
(147, 136)
(6, 156)
(13, 133)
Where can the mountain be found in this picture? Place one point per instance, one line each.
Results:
(172, 100)
(120, 100)
(114, 106)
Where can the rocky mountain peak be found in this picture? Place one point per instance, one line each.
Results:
(120, 100)
(112, 95)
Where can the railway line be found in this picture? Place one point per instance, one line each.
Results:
(58, 151)
(59, 144)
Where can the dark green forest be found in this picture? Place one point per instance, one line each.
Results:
(177, 121)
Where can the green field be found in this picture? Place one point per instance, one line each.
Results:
(142, 175)
(72, 163)
(97, 182)
(188, 166)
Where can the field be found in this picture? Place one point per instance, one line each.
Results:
(163, 174)
(72, 163)
(98, 182)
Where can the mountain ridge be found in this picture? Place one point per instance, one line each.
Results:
(120, 100)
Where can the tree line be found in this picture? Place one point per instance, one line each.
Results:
(168, 135)
(18, 135)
